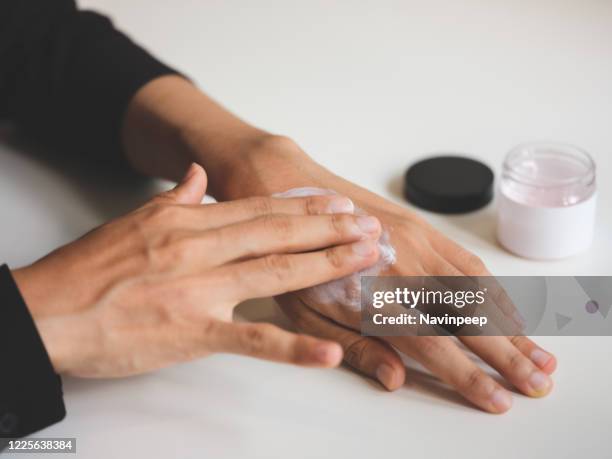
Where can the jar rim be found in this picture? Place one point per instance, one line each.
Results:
(562, 150)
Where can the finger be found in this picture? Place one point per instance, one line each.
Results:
(190, 190)
(268, 342)
(543, 359)
(277, 274)
(441, 356)
(499, 321)
(222, 214)
(369, 356)
(511, 363)
(469, 264)
(288, 234)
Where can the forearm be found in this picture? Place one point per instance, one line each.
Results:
(170, 123)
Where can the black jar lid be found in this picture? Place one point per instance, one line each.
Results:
(449, 184)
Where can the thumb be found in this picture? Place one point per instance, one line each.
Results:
(190, 190)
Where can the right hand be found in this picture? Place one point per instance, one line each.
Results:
(159, 285)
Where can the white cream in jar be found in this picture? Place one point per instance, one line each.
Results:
(546, 201)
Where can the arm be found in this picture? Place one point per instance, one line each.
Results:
(67, 77)
(243, 161)
(169, 123)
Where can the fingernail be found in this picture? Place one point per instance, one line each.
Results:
(369, 225)
(191, 170)
(340, 205)
(364, 248)
(539, 382)
(501, 400)
(540, 357)
(385, 374)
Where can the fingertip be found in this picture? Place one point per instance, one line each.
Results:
(191, 171)
(539, 384)
(390, 376)
(544, 360)
(501, 401)
(192, 187)
(551, 366)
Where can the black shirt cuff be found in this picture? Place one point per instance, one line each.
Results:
(30, 390)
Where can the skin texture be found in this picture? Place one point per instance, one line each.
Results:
(159, 285)
(170, 124)
(244, 161)
(421, 251)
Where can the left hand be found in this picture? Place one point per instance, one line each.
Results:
(422, 251)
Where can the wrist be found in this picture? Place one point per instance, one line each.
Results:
(268, 165)
(24, 278)
(276, 163)
(69, 340)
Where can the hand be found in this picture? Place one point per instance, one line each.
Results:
(168, 124)
(159, 285)
(422, 251)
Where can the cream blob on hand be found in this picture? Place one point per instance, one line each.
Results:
(546, 207)
(347, 290)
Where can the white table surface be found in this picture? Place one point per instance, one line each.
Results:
(366, 88)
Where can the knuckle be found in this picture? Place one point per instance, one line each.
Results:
(208, 327)
(475, 381)
(253, 339)
(260, 205)
(354, 352)
(181, 250)
(279, 266)
(518, 341)
(516, 362)
(168, 250)
(160, 213)
(339, 224)
(334, 259)
(208, 331)
(217, 238)
(312, 206)
(281, 226)
(430, 346)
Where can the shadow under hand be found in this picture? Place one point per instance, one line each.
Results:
(262, 310)
(428, 385)
(110, 187)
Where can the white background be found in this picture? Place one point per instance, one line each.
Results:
(366, 87)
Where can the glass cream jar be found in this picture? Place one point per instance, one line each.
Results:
(547, 199)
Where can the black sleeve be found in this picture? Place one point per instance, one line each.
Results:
(67, 76)
(30, 391)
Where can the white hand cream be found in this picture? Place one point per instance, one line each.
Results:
(546, 203)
